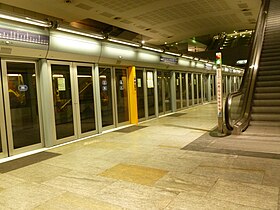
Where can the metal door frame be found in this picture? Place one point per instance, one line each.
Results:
(9, 135)
(77, 99)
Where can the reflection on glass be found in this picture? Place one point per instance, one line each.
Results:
(23, 104)
(178, 92)
(167, 88)
(140, 94)
(199, 89)
(1, 150)
(62, 101)
(195, 88)
(190, 89)
(122, 98)
(151, 93)
(160, 101)
(86, 100)
(106, 96)
(184, 90)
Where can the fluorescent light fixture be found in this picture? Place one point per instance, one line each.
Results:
(57, 75)
(102, 76)
(14, 75)
(208, 64)
(188, 57)
(123, 42)
(171, 53)
(26, 20)
(84, 76)
(152, 49)
(204, 61)
(95, 36)
(196, 59)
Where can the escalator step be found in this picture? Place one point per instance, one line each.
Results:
(266, 117)
(269, 96)
(267, 90)
(266, 102)
(266, 109)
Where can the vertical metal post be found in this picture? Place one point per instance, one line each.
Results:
(219, 92)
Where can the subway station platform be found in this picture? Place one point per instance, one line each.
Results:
(167, 163)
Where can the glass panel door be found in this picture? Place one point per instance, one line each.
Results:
(62, 98)
(178, 91)
(190, 88)
(195, 83)
(86, 98)
(105, 81)
(160, 89)
(167, 91)
(21, 105)
(122, 97)
(140, 94)
(184, 90)
(151, 93)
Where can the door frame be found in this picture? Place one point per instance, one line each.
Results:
(9, 135)
(77, 105)
(75, 136)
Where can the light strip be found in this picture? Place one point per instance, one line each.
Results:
(196, 59)
(188, 57)
(171, 53)
(26, 20)
(123, 42)
(152, 49)
(80, 33)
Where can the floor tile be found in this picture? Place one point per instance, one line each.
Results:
(254, 195)
(76, 202)
(81, 183)
(39, 172)
(134, 196)
(182, 182)
(134, 173)
(193, 202)
(27, 195)
(233, 174)
(7, 181)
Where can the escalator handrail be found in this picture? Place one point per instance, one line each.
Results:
(249, 76)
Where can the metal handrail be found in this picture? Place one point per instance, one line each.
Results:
(246, 90)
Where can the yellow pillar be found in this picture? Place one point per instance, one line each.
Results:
(132, 91)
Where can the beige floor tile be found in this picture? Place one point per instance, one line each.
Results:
(254, 195)
(39, 172)
(81, 183)
(134, 173)
(76, 202)
(133, 196)
(185, 201)
(182, 182)
(272, 176)
(233, 174)
(7, 181)
(27, 195)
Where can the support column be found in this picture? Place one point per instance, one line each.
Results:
(46, 96)
(132, 95)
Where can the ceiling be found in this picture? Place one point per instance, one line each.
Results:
(156, 21)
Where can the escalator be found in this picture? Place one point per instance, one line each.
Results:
(255, 108)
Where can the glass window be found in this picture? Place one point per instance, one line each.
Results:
(122, 98)
(23, 104)
(151, 93)
(140, 94)
(62, 97)
(86, 98)
(167, 88)
(106, 96)
(160, 101)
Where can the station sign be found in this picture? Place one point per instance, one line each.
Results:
(23, 36)
(168, 60)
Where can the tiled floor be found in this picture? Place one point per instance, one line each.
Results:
(148, 169)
